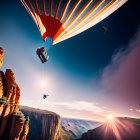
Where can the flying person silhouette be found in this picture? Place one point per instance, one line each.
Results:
(45, 96)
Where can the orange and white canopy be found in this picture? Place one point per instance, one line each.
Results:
(62, 19)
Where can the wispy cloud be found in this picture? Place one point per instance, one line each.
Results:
(76, 109)
(135, 110)
(85, 106)
(82, 106)
(138, 110)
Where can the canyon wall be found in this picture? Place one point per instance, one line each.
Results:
(44, 125)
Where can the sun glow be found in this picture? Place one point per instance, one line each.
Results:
(43, 84)
(110, 117)
(117, 127)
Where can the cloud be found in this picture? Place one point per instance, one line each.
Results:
(85, 106)
(120, 80)
(76, 109)
(81, 106)
(138, 110)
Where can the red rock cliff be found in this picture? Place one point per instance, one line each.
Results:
(13, 124)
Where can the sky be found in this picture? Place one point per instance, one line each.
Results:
(87, 76)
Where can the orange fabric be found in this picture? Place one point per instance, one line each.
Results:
(52, 26)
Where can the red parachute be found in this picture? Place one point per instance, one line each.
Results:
(62, 19)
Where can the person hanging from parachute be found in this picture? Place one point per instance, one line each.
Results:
(63, 19)
(45, 96)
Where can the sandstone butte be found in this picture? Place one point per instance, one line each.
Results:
(13, 124)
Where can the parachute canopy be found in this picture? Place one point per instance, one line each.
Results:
(62, 19)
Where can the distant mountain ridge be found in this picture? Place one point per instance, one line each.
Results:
(75, 127)
(118, 129)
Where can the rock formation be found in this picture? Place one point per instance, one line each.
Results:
(44, 125)
(118, 129)
(13, 124)
(1, 56)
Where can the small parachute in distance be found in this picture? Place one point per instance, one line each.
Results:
(63, 19)
(105, 28)
(45, 96)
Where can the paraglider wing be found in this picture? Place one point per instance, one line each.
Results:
(62, 19)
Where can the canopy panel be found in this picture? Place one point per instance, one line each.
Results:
(62, 19)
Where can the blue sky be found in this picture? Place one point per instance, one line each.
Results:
(75, 66)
